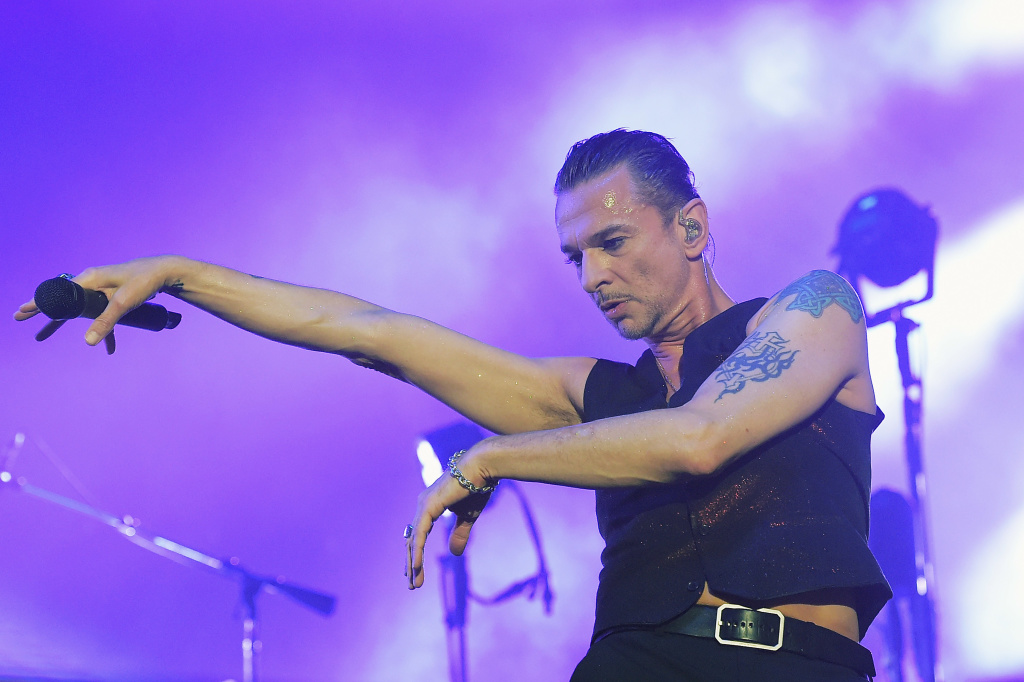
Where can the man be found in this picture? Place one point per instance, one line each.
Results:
(731, 463)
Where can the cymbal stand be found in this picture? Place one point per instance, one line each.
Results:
(251, 583)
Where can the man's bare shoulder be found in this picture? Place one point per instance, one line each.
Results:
(824, 311)
(813, 293)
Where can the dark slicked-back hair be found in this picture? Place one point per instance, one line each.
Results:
(661, 177)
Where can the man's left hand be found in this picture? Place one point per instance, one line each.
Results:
(444, 493)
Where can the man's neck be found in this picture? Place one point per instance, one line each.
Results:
(668, 346)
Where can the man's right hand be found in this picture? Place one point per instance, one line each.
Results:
(126, 286)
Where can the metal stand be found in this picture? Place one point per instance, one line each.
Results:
(251, 584)
(251, 645)
(899, 535)
(922, 605)
(456, 592)
(888, 239)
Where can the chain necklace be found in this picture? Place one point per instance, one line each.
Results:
(664, 375)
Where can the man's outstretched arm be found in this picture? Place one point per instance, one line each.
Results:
(501, 391)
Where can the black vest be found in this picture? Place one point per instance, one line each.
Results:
(787, 518)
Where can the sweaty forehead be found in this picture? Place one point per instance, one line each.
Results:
(605, 200)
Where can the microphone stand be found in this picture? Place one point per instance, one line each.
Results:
(456, 591)
(251, 583)
(455, 595)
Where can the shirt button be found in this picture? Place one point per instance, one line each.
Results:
(693, 586)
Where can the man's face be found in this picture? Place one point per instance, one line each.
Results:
(626, 258)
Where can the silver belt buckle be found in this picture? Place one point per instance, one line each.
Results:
(752, 645)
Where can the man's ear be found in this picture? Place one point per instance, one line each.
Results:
(692, 228)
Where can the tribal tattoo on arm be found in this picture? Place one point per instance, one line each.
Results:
(761, 357)
(818, 290)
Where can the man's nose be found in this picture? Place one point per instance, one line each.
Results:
(593, 272)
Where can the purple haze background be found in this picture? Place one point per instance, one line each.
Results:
(404, 153)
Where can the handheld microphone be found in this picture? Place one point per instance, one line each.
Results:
(61, 299)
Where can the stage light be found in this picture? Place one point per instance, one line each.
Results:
(430, 463)
(435, 448)
(887, 239)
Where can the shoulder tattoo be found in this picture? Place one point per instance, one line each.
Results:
(761, 357)
(818, 290)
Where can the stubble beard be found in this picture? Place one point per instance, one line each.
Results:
(634, 329)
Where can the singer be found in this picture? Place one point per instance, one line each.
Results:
(731, 462)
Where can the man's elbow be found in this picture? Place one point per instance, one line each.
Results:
(713, 448)
(364, 335)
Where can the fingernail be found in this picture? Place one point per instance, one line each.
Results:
(92, 338)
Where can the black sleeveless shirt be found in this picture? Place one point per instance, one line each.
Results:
(787, 518)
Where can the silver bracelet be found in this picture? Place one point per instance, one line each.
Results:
(453, 469)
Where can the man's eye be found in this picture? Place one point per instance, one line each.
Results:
(575, 259)
(613, 243)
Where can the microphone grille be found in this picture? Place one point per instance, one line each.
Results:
(60, 299)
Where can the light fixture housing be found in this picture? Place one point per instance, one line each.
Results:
(887, 238)
(434, 449)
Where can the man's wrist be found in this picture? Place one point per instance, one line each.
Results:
(481, 460)
(455, 470)
(175, 271)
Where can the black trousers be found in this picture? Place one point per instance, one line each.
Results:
(646, 656)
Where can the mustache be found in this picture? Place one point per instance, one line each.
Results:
(603, 298)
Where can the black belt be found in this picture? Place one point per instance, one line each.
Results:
(770, 630)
